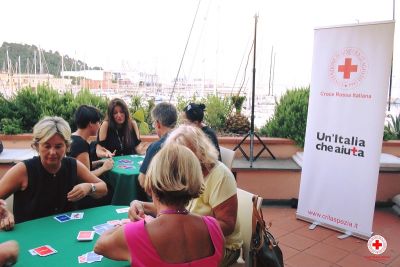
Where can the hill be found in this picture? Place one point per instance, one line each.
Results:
(51, 61)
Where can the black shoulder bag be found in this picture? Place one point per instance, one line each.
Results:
(264, 249)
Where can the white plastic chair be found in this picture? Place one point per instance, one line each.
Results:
(9, 202)
(245, 218)
(227, 156)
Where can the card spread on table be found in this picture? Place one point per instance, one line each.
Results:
(85, 235)
(89, 257)
(126, 167)
(100, 229)
(114, 222)
(62, 218)
(122, 210)
(77, 215)
(125, 161)
(44, 250)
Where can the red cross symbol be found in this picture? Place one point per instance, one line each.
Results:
(377, 244)
(347, 68)
(354, 150)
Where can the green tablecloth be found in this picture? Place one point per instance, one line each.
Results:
(62, 237)
(124, 178)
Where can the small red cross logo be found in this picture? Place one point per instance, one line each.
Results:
(354, 150)
(347, 68)
(377, 244)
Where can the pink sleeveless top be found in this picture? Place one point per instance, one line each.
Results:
(143, 254)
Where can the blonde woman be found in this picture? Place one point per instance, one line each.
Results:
(49, 183)
(174, 177)
(219, 198)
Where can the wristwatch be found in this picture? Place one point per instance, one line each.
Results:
(93, 188)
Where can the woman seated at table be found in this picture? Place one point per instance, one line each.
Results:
(49, 183)
(87, 120)
(174, 178)
(219, 198)
(193, 114)
(118, 134)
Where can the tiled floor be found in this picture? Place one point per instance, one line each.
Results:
(320, 247)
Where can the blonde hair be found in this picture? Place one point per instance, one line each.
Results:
(194, 138)
(47, 127)
(174, 175)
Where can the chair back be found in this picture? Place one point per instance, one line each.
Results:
(245, 217)
(227, 156)
(9, 202)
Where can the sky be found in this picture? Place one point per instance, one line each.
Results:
(151, 35)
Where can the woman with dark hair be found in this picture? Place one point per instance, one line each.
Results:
(87, 120)
(193, 114)
(118, 134)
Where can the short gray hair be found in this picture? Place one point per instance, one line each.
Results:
(166, 114)
(47, 127)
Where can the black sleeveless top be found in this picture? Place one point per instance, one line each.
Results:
(115, 141)
(46, 194)
(79, 146)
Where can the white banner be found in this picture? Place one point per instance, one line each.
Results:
(349, 86)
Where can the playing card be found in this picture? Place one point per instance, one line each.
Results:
(125, 167)
(100, 229)
(92, 257)
(44, 250)
(32, 251)
(114, 222)
(77, 215)
(82, 258)
(126, 161)
(62, 218)
(122, 210)
(85, 235)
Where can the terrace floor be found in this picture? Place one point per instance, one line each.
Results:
(320, 247)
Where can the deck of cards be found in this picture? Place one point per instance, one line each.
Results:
(85, 235)
(89, 257)
(62, 218)
(42, 251)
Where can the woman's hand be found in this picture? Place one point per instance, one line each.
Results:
(6, 217)
(79, 191)
(9, 251)
(103, 152)
(136, 211)
(108, 164)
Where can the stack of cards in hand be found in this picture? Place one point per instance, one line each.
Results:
(89, 257)
(43, 251)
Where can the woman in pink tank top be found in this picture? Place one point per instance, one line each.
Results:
(175, 237)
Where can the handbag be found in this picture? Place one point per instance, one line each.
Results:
(264, 249)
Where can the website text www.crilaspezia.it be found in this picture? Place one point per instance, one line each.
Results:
(333, 219)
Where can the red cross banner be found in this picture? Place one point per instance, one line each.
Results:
(346, 112)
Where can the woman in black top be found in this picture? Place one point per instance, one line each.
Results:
(87, 120)
(50, 183)
(194, 115)
(119, 134)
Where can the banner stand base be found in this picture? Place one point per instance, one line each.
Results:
(313, 225)
(345, 235)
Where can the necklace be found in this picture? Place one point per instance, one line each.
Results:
(172, 211)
